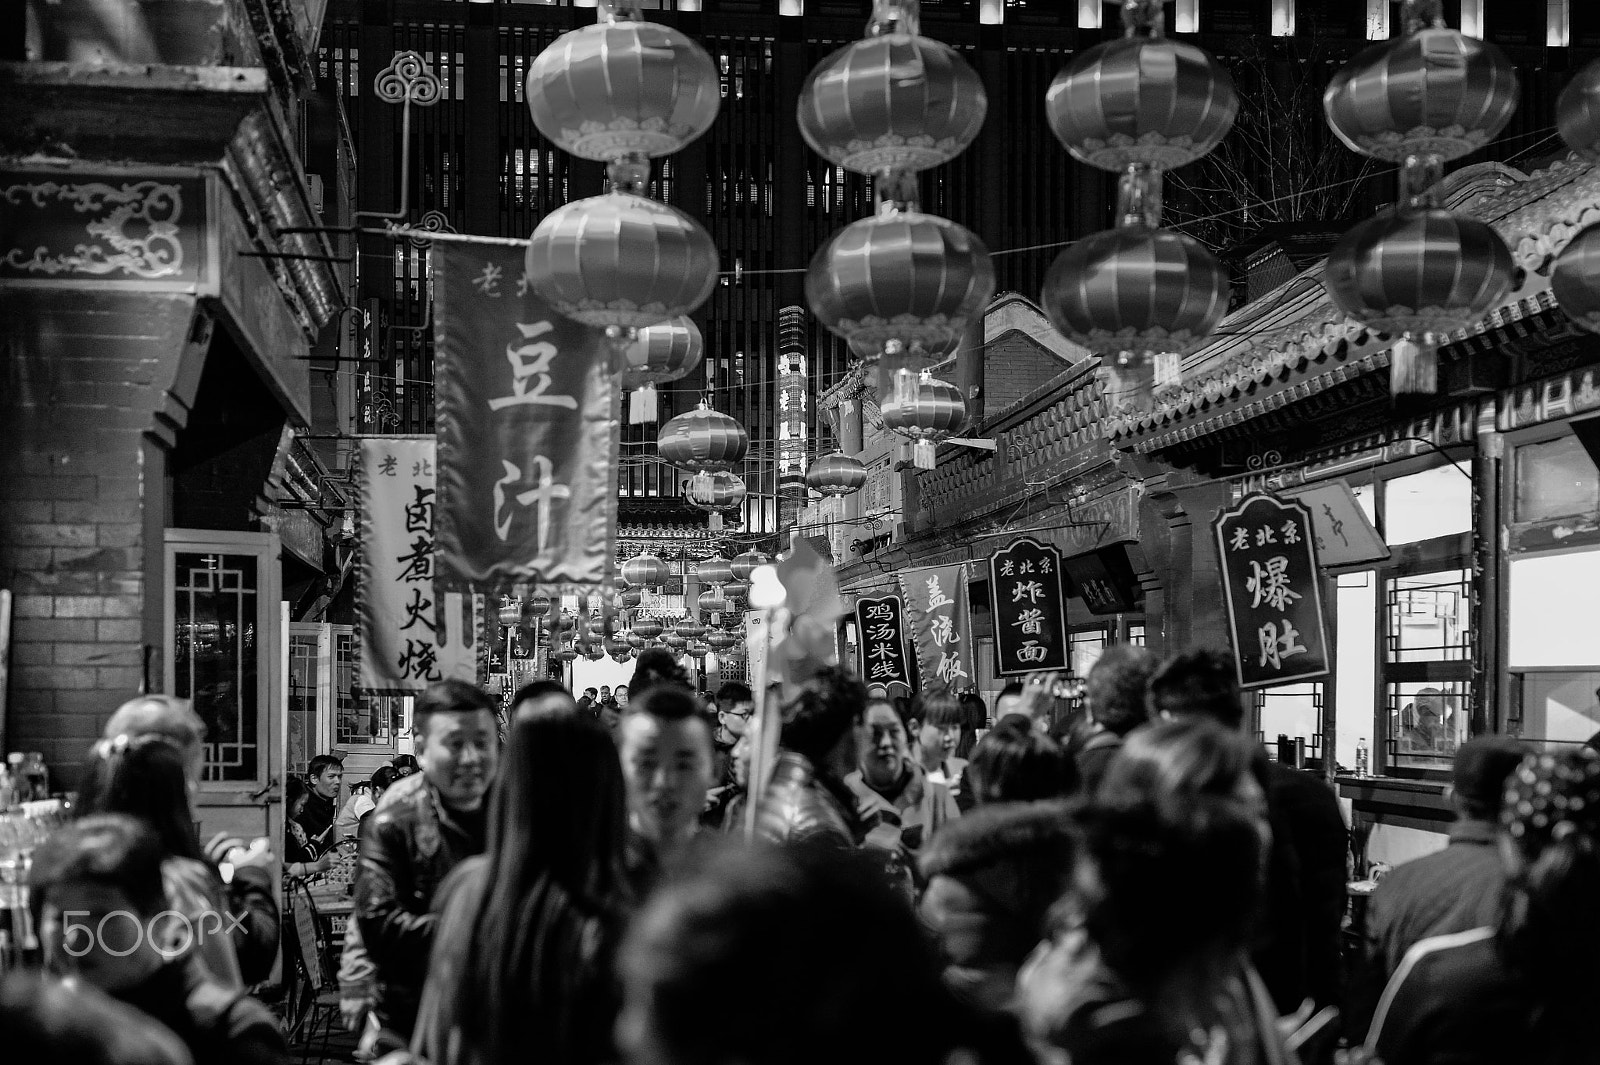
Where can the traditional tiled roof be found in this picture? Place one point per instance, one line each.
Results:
(1294, 343)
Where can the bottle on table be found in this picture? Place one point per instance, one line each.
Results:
(1363, 758)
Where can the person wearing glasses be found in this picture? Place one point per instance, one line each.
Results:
(735, 707)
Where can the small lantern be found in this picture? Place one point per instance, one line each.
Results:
(676, 642)
(715, 493)
(644, 571)
(657, 355)
(836, 474)
(713, 603)
(689, 629)
(510, 612)
(630, 599)
(714, 570)
(536, 607)
(703, 440)
(647, 628)
(745, 563)
(926, 411)
(736, 589)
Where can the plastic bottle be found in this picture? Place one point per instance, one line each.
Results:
(38, 777)
(1363, 759)
(18, 790)
(7, 799)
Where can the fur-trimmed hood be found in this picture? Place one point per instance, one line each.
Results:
(989, 835)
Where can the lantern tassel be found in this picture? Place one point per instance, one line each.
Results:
(716, 522)
(922, 453)
(1414, 367)
(643, 405)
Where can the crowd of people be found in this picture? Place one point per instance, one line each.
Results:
(592, 881)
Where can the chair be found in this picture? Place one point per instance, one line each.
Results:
(323, 1008)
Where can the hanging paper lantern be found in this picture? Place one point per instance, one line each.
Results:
(510, 612)
(836, 474)
(703, 440)
(689, 629)
(636, 642)
(696, 650)
(657, 355)
(630, 599)
(926, 410)
(617, 648)
(594, 652)
(648, 628)
(1578, 112)
(745, 563)
(1143, 100)
(644, 571)
(1575, 279)
(713, 603)
(721, 641)
(599, 625)
(714, 570)
(1432, 92)
(736, 589)
(677, 643)
(892, 101)
(621, 261)
(623, 86)
(537, 606)
(1422, 272)
(565, 622)
(901, 281)
(715, 493)
(567, 654)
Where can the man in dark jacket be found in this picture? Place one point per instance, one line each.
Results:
(426, 825)
(807, 800)
(324, 778)
(1298, 956)
(1114, 693)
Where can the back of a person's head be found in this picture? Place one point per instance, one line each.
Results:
(1199, 682)
(1171, 761)
(666, 702)
(536, 690)
(1116, 688)
(450, 696)
(104, 850)
(143, 777)
(846, 975)
(733, 692)
(172, 718)
(1169, 887)
(1478, 776)
(828, 707)
(939, 707)
(974, 711)
(383, 776)
(1015, 762)
(44, 1019)
(655, 665)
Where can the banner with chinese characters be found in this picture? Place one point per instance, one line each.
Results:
(407, 640)
(1273, 588)
(941, 624)
(882, 629)
(527, 431)
(1030, 609)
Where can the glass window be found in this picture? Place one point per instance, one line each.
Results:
(1293, 711)
(1557, 707)
(1423, 506)
(1084, 649)
(1549, 626)
(1429, 617)
(1427, 722)
(1355, 662)
(1556, 479)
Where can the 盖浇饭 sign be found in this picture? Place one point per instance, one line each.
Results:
(1273, 589)
(1029, 609)
(940, 618)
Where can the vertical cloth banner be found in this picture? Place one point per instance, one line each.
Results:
(528, 432)
(941, 624)
(882, 624)
(1030, 609)
(1273, 589)
(407, 641)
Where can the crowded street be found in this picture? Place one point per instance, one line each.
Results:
(800, 532)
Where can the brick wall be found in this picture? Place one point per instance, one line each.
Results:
(93, 379)
(1013, 366)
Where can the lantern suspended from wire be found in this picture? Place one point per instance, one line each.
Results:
(676, 642)
(736, 589)
(647, 628)
(924, 410)
(1138, 106)
(535, 607)
(715, 570)
(644, 571)
(695, 649)
(703, 441)
(630, 599)
(636, 642)
(621, 92)
(713, 603)
(617, 648)
(715, 493)
(510, 613)
(721, 641)
(594, 652)
(836, 474)
(1428, 96)
(567, 654)
(689, 629)
(745, 563)
(659, 354)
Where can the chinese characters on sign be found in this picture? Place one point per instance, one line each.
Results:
(883, 641)
(1274, 591)
(407, 639)
(527, 432)
(941, 623)
(1030, 631)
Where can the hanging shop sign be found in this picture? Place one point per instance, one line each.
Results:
(527, 431)
(1344, 534)
(941, 624)
(882, 624)
(1029, 608)
(407, 640)
(1104, 580)
(1273, 589)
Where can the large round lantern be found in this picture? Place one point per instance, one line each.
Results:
(644, 571)
(623, 86)
(689, 629)
(1575, 279)
(621, 261)
(1143, 100)
(676, 642)
(713, 603)
(703, 440)
(617, 648)
(901, 281)
(892, 101)
(836, 474)
(1432, 92)
(745, 563)
(510, 612)
(535, 607)
(657, 355)
(599, 625)
(635, 641)
(926, 410)
(721, 641)
(715, 570)
(1422, 272)
(715, 492)
(630, 599)
(696, 649)
(736, 589)
(1578, 112)
(647, 628)
(594, 652)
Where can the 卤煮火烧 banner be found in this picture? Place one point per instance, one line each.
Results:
(527, 430)
(941, 624)
(410, 636)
